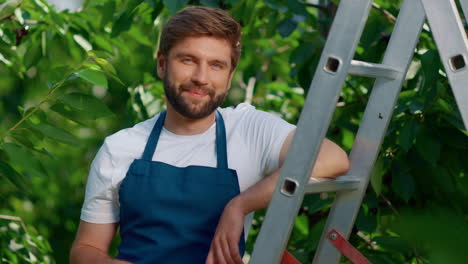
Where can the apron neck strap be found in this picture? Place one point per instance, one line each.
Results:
(221, 149)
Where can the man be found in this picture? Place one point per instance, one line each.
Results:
(181, 184)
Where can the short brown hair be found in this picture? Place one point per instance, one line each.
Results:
(197, 21)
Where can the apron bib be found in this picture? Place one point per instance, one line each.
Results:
(169, 214)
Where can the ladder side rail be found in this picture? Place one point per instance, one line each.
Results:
(312, 126)
(464, 6)
(450, 37)
(373, 127)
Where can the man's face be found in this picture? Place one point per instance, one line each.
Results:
(197, 74)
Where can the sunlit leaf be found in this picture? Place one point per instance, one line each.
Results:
(7, 8)
(377, 175)
(83, 42)
(92, 76)
(302, 225)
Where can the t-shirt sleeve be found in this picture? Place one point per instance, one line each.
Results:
(265, 134)
(101, 199)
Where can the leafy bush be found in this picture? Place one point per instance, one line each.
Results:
(20, 246)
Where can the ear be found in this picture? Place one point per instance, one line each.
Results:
(161, 67)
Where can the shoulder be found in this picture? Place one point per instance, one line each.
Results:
(130, 141)
(245, 112)
(248, 116)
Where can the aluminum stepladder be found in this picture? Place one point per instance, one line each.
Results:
(335, 64)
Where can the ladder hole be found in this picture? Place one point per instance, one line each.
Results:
(333, 64)
(289, 187)
(457, 62)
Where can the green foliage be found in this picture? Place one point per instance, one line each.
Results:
(20, 246)
(68, 79)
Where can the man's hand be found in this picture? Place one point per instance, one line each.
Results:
(225, 245)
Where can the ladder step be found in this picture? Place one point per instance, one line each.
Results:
(343, 183)
(367, 69)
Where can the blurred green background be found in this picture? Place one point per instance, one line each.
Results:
(69, 79)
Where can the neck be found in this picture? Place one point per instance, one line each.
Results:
(181, 125)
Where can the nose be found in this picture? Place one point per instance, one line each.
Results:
(200, 75)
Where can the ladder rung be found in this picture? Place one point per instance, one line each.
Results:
(367, 69)
(343, 183)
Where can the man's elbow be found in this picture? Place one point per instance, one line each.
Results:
(334, 166)
(343, 164)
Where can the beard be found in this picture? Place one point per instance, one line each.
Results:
(190, 108)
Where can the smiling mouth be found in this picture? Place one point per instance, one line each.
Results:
(197, 93)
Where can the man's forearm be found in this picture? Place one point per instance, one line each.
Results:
(331, 162)
(258, 196)
(88, 255)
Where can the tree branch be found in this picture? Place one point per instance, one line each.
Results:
(385, 12)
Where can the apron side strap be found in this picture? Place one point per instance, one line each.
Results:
(221, 149)
(154, 137)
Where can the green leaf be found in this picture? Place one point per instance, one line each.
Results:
(428, 147)
(403, 184)
(7, 8)
(103, 43)
(300, 54)
(25, 141)
(392, 243)
(108, 69)
(430, 67)
(211, 3)
(32, 56)
(57, 75)
(296, 7)
(18, 180)
(57, 134)
(24, 159)
(365, 221)
(123, 23)
(301, 225)
(125, 20)
(107, 12)
(87, 104)
(95, 77)
(377, 175)
(174, 5)
(286, 27)
(408, 134)
(314, 203)
(80, 117)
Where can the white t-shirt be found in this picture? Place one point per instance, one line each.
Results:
(254, 140)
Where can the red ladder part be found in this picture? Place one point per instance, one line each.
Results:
(288, 258)
(346, 248)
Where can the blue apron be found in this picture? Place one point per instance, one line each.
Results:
(169, 214)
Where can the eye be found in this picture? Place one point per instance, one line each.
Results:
(217, 66)
(187, 60)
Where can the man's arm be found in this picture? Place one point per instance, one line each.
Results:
(92, 243)
(331, 162)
